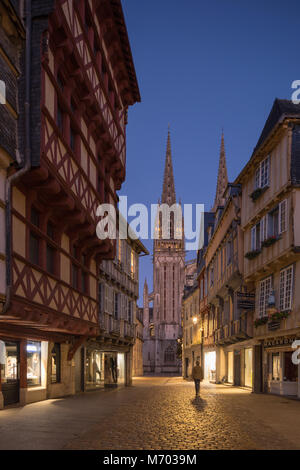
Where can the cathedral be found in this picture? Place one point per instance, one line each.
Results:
(162, 307)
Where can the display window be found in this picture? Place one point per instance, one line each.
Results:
(275, 366)
(33, 364)
(94, 369)
(55, 364)
(290, 369)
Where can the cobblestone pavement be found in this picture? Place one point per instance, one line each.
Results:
(156, 413)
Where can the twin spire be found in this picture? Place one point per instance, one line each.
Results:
(168, 194)
(222, 177)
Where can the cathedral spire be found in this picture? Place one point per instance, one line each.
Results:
(168, 194)
(222, 177)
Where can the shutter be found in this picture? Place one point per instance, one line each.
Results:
(283, 216)
(253, 238)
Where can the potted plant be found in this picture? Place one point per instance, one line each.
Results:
(270, 241)
(252, 254)
(261, 321)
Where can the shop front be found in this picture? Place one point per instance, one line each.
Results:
(280, 372)
(10, 383)
(104, 369)
(248, 367)
(230, 377)
(210, 360)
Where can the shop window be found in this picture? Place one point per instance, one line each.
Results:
(55, 364)
(275, 366)
(290, 369)
(33, 364)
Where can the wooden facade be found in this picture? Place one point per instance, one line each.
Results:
(82, 81)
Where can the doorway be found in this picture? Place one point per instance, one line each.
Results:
(210, 360)
(10, 377)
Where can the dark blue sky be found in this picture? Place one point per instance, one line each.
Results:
(203, 65)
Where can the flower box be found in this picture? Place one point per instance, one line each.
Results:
(257, 193)
(261, 321)
(270, 241)
(252, 254)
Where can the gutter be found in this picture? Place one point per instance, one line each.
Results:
(26, 163)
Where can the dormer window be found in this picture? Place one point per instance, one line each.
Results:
(262, 174)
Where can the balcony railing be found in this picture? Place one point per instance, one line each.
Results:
(129, 330)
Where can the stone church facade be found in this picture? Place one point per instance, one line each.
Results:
(162, 307)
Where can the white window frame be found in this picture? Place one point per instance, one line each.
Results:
(262, 174)
(265, 287)
(264, 228)
(286, 288)
(282, 219)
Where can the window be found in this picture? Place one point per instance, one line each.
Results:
(59, 120)
(264, 294)
(55, 363)
(255, 237)
(275, 366)
(35, 217)
(50, 230)
(264, 228)
(34, 246)
(84, 276)
(169, 355)
(229, 252)
(50, 259)
(286, 289)
(116, 305)
(101, 293)
(262, 174)
(130, 318)
(33, 364)
(74, 276)
(290, 369)
(72, 139)
(283, 216)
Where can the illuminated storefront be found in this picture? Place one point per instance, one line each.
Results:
(210, 359)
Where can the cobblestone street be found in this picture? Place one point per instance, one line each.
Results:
(156, 413)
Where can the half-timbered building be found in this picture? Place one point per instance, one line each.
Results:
(77, 82)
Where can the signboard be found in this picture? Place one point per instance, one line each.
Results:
(2, 353)
(280, 341)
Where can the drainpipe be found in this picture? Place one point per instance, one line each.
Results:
(26, 163)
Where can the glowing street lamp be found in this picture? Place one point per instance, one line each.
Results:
(195, 320)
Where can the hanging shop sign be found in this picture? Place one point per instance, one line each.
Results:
(280, 341)
(246, 301)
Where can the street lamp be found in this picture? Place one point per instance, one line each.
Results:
(195, 320)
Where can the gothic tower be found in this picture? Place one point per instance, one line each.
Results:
(222, 177)
(163, 326)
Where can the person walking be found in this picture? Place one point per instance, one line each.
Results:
(197, 376)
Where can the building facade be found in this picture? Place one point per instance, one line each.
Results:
(162, 329)
(76, 83)
(270, 222)
(109, 359)
(138, 368)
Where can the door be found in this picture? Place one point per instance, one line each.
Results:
(248, 367)
(79, 370)
(10, 378)
(230, 367)
(186, 367)
(237, 368)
